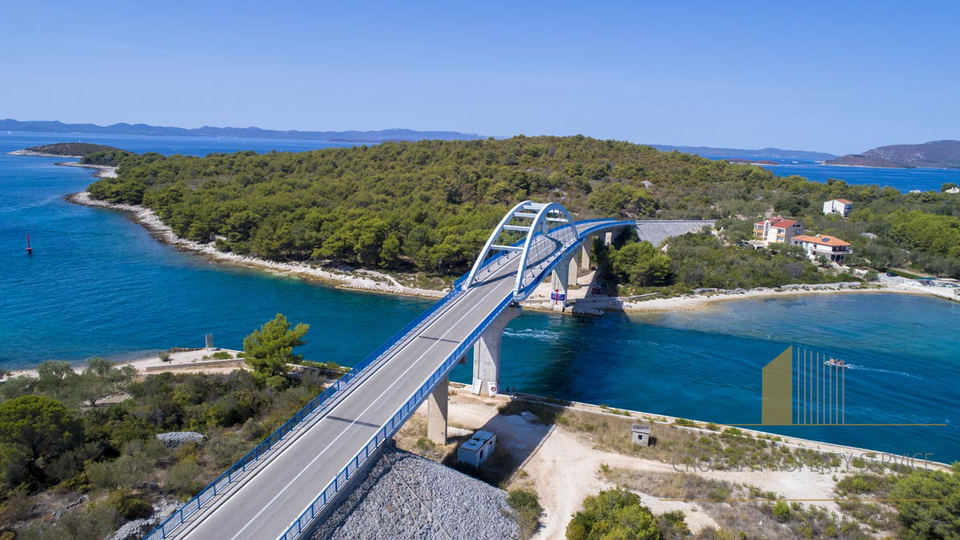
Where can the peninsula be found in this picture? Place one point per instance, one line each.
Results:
(935, 154)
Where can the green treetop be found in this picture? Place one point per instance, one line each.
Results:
(269, 349)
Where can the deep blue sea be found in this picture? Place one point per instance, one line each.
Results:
(99, 285)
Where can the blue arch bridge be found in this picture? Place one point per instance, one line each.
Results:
(289, 482)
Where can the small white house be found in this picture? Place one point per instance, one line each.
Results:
(838, 206)
(478, 449)
(952, 190)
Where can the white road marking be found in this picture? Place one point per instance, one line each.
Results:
(344, 432)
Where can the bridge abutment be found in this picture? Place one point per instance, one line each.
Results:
(486, 354)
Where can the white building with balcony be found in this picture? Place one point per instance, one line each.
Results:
(830, 247)
(838, 206)
(776, 230)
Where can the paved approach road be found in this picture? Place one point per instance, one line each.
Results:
(268, 502)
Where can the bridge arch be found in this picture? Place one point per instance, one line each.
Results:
(534, 232)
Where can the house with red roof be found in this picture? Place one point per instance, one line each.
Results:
(838, 206)
(830, 247)
(776, 230)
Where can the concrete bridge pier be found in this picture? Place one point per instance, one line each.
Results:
(486, 354)
(560, 280)
(437, 412)
(585, 255)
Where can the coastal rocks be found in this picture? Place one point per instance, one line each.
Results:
(823, 286)
(410, 497)
(581, 310)
(138, 528)
(372, 281)
(174, 439)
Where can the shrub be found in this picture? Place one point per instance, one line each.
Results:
(614, 513)
(527, 505)
(165, 357)
(183, 479)
(128, 506)
(221, 355)
(781, 511)
(425, 445)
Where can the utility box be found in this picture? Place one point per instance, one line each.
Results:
(641, 434)
(478, 449)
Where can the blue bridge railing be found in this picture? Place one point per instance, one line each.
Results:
(303, 522)
(318, 403)
(237, 470)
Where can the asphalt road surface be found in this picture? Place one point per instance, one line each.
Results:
(270, 500)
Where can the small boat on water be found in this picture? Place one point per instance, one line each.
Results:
(833, 362)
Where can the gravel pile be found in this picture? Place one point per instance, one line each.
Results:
(174, 439)
(409, 497)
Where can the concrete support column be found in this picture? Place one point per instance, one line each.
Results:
(585, 255)
(608, 238)
(486, 354)
(573, 272)
(558, 282)
(437, 412)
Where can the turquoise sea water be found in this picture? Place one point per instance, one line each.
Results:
(98, 284)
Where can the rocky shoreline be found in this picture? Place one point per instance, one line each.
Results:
(102, 171)
(365, 280)
(369, 280)
(31, 153)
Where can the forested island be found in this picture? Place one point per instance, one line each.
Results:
(428, 206)
(88, 153)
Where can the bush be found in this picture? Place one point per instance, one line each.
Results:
(614, 513)
(939, 518)
(221, 355)
(781, 511)
(527, 505)
(183, 479)
(165, 357)
(128, 506)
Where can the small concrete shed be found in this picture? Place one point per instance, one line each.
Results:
(641, 434)
(478, 449)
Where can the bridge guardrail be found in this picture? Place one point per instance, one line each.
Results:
(177, 519)
(305, 519)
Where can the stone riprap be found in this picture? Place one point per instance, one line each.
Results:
(410, 497)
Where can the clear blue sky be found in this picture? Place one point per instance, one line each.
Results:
(836, 76)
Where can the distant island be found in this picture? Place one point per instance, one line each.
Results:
(68, 150)
(242, 133)
(763, 153)
(934, 154)
(752, 161)
(105, 159)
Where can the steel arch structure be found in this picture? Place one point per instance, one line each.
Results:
(537, 242)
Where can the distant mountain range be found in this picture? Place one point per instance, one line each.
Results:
(934, 154)
(244, 133)
(763, 153)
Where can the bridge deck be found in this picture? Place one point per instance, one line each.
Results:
(262, 506)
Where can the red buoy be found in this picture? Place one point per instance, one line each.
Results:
(29, 249)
